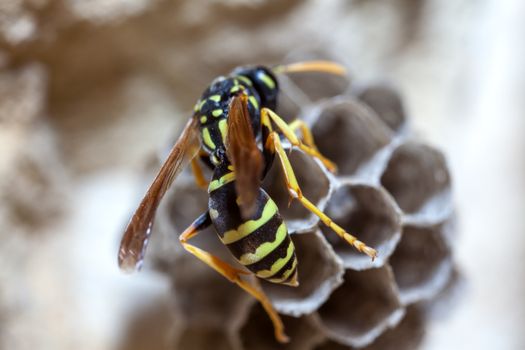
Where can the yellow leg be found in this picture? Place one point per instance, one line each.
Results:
(234, 275)
(289, 133)
(295, 192)
(308, 138)
(197, 173)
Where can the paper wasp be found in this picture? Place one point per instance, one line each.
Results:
(232, 132)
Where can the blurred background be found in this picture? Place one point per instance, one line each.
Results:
(91, 91)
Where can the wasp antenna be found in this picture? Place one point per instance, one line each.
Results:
(311, 66)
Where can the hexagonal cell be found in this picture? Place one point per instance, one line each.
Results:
(257, 332)
(422, 263)
(407, 335)
(371, 215)
(205, 338)
(418, 179)
(192, 282)
(350, 134)
(314, 182)
(320, 272)
(443, 304)
(386, 102)
(362, 308)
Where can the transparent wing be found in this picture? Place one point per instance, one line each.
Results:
(242, 151)
(135, 238)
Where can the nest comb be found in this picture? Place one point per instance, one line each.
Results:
(391, 191)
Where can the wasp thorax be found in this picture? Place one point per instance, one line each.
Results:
(264, 82)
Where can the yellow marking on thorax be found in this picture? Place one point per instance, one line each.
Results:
(253, 101)
(270, 209)
(216, 112)
(223, 128)
(278, 264)
(265, 248)
(215, 98)
(204, 119)
(206, 137)
(245, 80)
(267, 80)
(235, 89)
(223, 180)
(199, 105)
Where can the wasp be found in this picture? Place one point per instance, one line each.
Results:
(236, 132)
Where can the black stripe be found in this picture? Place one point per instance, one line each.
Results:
(289, 279)
(286, 266)
(215, 132)
(267, 262)
(250, 243)
(224, 200)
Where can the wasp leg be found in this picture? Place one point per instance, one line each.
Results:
(308, 139)
(288, 132)
(197, 173)
(231, 273)
(273, 144)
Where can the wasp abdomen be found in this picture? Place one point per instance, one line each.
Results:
(261, 243)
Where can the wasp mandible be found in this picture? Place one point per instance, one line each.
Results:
(235, 131)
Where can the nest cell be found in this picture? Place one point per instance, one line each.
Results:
(386, 103)
(348, 133)
(371, 215)
(443, 304)
(258, 333)
(422, 263)
(418, 179)
(320, 272)
(192, 282)
(361, 309)
(407, 335)
(314, 183)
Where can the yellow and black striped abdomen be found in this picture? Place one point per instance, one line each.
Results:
(262, 243)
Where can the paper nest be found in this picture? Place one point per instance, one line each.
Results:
(391, 191)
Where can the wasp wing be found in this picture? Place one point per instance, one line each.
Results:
(135, 238)
(242, 151)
